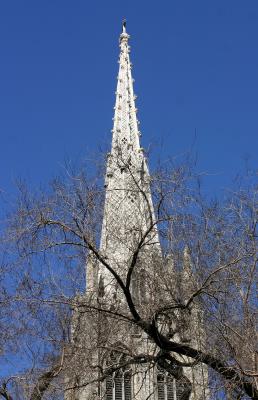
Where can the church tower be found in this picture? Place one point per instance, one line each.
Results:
(101, 368)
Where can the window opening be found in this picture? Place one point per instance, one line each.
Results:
(119, 383)
(166, 387)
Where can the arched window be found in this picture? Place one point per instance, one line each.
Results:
(119, 383)
(169, 388)
(166, 386)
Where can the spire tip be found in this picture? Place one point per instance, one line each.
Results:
(124, 35)
(124, 25)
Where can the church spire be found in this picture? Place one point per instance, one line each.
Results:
(125, 140)
(128, 209)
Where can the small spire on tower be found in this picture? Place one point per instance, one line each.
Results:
(187, 264)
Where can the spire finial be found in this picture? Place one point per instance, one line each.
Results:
(124, 35)
(124, 25)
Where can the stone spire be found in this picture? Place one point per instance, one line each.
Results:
(128, 210)
(125, 141)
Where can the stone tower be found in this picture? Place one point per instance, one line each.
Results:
(128, 221)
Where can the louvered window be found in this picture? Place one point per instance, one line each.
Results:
(166, 387)
(119, 384)
(170, 389)
(161, 387)
(109, 388)
(118, 392)
(127, 386)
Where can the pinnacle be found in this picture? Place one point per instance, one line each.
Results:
(124, 35)
(125, 127)
(124, 25)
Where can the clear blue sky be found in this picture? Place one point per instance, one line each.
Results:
(195, 66)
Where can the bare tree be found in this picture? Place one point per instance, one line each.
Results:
(206, 274)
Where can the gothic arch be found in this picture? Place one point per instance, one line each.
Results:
(166, 386)
(170, 388)
(118, 384)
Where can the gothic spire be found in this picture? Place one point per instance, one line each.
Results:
(128, 209)
(125, 140)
